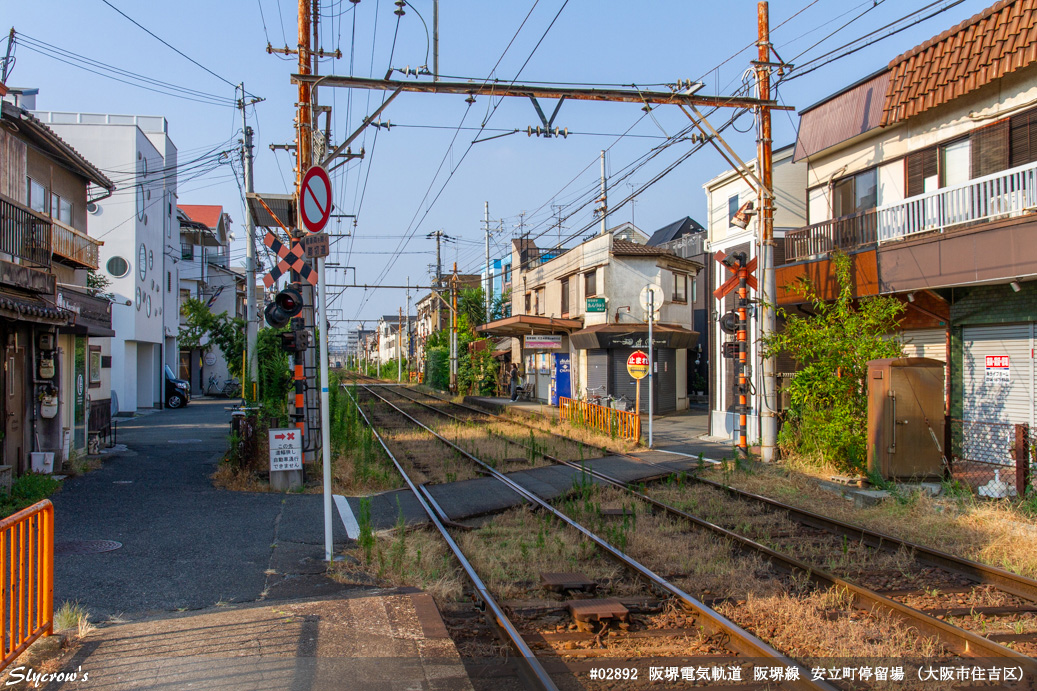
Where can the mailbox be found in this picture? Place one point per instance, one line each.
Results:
(906, 418)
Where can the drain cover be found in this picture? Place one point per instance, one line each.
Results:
(85, 546)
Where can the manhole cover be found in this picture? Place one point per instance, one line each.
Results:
(85, 546)
(185, 441)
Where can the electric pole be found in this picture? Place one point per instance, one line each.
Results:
(489, 273)
(410, 347)
(768, 282)
(603, 209)
(453, 331)
(399, 349)
(252, 318)
(557, 208)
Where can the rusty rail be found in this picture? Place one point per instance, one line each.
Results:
(615, 423)
(26, 578)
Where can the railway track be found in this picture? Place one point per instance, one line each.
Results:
(694, 628)
(945, 588)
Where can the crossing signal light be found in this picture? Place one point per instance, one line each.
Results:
(729, 323)
(286, 304)
(295, 341)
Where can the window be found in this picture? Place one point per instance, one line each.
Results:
(65, 211)
(118, 267)
(37, 196)
(855, 193)
(565, 297)
(732, 206)
(541, 303)
(95, 366)
(185, 295)
(695, 289)
(169, 281)
(591, 283)
(955, 163)
(680, 288)
(186, 251)
(529, 303)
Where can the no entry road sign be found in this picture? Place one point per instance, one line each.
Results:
(315, 199)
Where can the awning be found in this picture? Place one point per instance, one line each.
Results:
(20, 308)
(283, 206)
(92, 315)
(522, 324)
(634, 336)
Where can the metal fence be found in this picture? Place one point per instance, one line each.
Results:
(994, 459)
(845, 233)
(24, 233)
(26, 578)
(616, 423)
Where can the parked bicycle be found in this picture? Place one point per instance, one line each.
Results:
(599, 396)
(230, 388)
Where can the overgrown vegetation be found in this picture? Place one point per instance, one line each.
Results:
(26, 491)
(827, 419)
(225, 332)
(477, 370)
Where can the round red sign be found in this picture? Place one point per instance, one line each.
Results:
(315, 199)
(637, 364)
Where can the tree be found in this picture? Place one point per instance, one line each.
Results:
(227, 333)
(471, 305)
(827, 418)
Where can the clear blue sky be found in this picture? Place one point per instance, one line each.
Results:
(426, 157)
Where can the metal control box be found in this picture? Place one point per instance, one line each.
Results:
(906, 418)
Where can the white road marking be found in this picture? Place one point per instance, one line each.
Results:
(346, 514)
(687, 455)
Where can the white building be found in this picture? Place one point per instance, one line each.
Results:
(138, 226)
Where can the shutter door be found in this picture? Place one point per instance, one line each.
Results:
(620, 381)
(989, 401)
(929, 343)
(666, 380)
(989, 149)
(597, 368)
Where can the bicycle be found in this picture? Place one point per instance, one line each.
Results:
(230, 388)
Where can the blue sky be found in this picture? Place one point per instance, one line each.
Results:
(426, 174)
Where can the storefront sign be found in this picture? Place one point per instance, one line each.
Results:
(595, 304)
(285, 449)
(534, 342)
(633, 340)
(637, 364)
(997, 369)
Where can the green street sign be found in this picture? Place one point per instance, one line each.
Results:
(595, 304)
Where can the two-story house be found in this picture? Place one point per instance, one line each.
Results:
(54, 331)
(580, 312)
(926, 173)
(140, 251)
(206, 275)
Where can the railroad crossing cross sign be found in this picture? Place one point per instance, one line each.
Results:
(291, 259)
(732, 282)
(315, 199)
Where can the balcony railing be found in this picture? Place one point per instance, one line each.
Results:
(1004, 194)
(73, 247)
(24, 234)
(845, 233)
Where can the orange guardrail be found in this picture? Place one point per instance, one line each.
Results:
(618, 423)
(26, 578)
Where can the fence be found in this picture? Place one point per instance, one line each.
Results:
(995, 459)
(26, 578)
(615, 423)
(845, 232)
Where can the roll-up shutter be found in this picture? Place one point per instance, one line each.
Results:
(620, 381)
(986, 398)
(597, 369)
(666, 379)
(928, 343)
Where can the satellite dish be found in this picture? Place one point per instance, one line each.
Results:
(657, 299)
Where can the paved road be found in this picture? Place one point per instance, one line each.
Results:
(186, 545)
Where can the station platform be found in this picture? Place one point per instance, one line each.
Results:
(485, 495)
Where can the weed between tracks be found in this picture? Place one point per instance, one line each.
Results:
(986, 531)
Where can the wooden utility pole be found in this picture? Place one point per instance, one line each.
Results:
(453, 331)
(768, 282)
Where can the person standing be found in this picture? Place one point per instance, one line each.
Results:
(514, 378)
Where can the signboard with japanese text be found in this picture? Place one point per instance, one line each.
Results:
(285, 449)
(637, 364)
(316, 245)
(595, 304)
(997, 370)
(535, 342)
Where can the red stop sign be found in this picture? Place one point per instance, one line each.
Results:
(637, 364)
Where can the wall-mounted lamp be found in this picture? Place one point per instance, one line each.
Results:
(1015, 286)
(741, 218)
(911, 297)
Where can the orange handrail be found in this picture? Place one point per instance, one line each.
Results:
(26, 578)
(609, 421)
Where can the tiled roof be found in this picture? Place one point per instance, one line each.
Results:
(999, 40)
(626, 248)
(203, 213)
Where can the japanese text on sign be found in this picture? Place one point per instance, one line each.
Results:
(285, 449)
(997, 369)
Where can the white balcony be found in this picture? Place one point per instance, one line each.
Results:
(1004, 194)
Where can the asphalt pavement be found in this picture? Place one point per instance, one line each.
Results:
(185, 544)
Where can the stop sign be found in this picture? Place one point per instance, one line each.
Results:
(637, 364)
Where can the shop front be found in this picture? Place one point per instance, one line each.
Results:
(542, 347)
(606, 348)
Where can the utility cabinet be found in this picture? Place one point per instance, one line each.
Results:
(906, 418)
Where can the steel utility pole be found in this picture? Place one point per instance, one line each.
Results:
(410, 348)
(399, 349)
(453, 331)
(768, 281)
(489, 276)
(604, 195)
(435, 40)
(252, 320)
